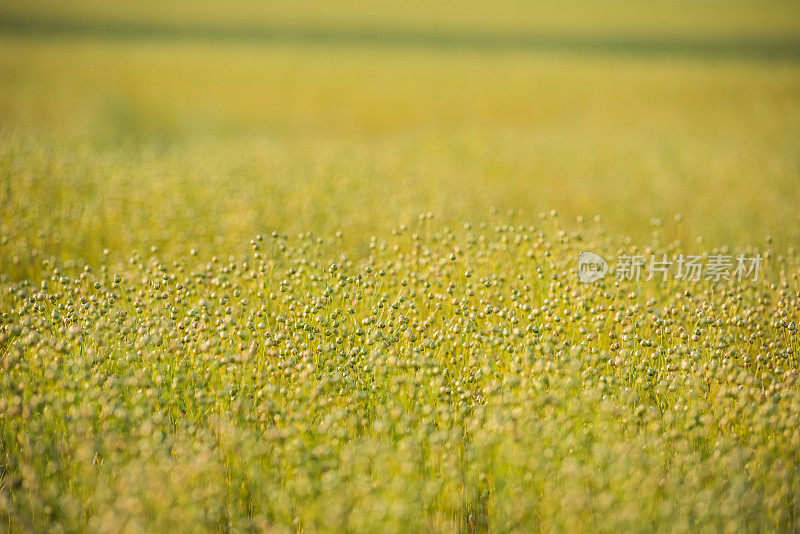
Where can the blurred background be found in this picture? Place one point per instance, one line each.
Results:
(198, 124)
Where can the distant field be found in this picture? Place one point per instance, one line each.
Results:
(148, 145)
(359, 135)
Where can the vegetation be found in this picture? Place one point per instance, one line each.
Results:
(272, 270)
